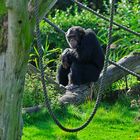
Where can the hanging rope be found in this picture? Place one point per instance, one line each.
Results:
(38, 35)
(53, 25)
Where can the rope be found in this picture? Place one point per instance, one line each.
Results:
(38, 35)
(110, 61)
(103, 17)
(124, 68)
(53, 25)
(56, 27)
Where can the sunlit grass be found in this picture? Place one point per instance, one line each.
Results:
(114, 122)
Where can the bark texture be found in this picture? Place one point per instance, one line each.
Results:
(15, 39)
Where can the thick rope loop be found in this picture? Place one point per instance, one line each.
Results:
(101, 88)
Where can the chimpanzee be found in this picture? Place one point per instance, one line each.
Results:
(83, 62)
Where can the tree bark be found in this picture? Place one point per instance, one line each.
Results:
(13, 63)
(132, 62)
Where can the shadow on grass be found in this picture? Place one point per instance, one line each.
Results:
(41, 126)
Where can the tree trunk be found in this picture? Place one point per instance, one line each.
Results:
(13, 62)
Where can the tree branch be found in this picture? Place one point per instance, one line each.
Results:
(32, 109)
(132, 62)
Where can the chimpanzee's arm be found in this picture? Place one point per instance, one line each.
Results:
(68, 57)
(62, 75)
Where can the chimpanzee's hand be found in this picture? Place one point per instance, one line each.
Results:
(66, 58)
(65, 62)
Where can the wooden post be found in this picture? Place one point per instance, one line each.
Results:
(13, 62)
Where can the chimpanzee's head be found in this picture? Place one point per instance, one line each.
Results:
(74, 36)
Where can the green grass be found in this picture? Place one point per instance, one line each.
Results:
(112, 122)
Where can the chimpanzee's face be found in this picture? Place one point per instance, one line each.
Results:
(74, 36)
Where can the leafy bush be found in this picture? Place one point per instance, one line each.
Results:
(127, 15)
(32, 91)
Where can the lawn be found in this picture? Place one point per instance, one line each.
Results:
(112, 122)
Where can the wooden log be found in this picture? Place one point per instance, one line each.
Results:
(132, 62)
(32, 109)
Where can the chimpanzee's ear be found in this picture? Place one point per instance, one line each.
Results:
(81, 31)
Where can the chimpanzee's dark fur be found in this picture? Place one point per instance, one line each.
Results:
(85, 62)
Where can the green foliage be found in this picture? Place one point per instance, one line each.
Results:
(125, 42)
(122, 42)
(2, 7)
(49, 55)
(32, 92)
